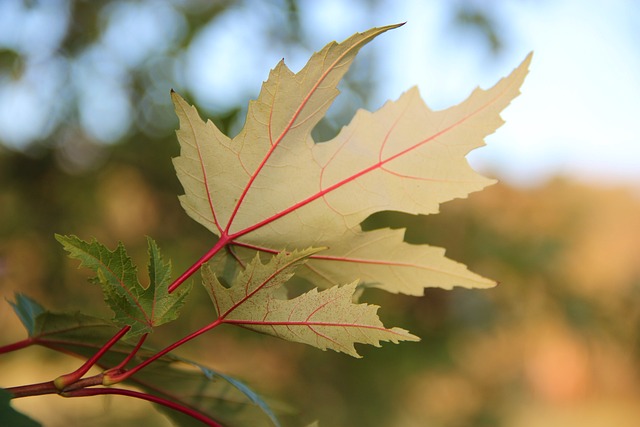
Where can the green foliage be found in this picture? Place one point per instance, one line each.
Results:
(142, 308)
(76, 333)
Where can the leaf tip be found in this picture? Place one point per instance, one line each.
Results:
(393, 26)
(60, 238)
(176, 98)
(526, 62)
(406, 335)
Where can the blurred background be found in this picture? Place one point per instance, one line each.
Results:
(87, 134)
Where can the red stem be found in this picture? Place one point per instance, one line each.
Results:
(120, 368)
(16, 345)
(50, 387)
(144, 396)
(118, 377)
(65, 380)
(130, 356)
(33, 390)
(224, 239)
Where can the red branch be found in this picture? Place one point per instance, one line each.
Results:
(115, 377)
(16, 345)
(65, 380)
(32, 390)
(144, 396)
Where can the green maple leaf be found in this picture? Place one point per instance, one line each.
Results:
(133, 304)
(327, 319)
(272, 188)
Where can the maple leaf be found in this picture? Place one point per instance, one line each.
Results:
(326, 319)
(272, 188)
(142, 308)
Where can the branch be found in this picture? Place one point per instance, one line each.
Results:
(66, 380)
(131, 355)
(49, 387)
(116, 377)
(16, 345)
(144, 396)
(33, 390)
(79, 389)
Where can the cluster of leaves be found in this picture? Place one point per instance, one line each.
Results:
(280, 205)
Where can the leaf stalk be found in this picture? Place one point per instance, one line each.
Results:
(66, 380)
(224, 240)
(115, 377)
(16, 346)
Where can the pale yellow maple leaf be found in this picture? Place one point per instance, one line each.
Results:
(327, 319)
(272, 188)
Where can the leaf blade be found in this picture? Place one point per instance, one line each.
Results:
(403, 157)
(275, 119)
(400, 270)
(353, 177)
(326, 320)
(163, 306)
(27, 310)
(133, 305)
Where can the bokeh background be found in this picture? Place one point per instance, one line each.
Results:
(87, 134)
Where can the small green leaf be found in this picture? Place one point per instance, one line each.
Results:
(142, 308)
(11, 417)
(327, 319)
(27, 310)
